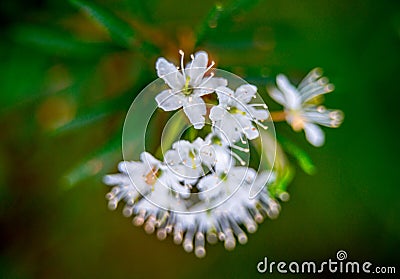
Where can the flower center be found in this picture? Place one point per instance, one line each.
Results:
(187, 89)
(236, 110)
(151, 177)
(298, 123)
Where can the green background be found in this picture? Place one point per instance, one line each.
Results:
(65, 86)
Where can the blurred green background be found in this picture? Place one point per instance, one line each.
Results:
(66, 83)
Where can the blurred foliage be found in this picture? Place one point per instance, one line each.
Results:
(70, 70)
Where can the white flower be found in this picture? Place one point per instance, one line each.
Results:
(187, 86)
(184, 161)
(234, 116)
(300, 109)
(140, 178)
(217, 208)
(130, 187)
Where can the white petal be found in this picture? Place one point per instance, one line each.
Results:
(259, 114)
(210, 186)
(195, 109)
(292, 97)
(225, 95)
(168, 101)
(169, 73)
(117, 179)
(210, 85)
(277, 95)
(148, 159)
(314, 134)
(230, 127)
(245, 92)
(224, 160)
(128, 166)
(247, 127)
(172, 157)
(207, 155)
(196, 68)
(217, 113)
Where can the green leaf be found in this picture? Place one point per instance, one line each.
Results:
(303, 159)
(120, 31)
(57, 42)
(95, 114)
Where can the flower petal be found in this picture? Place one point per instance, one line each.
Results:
(169, 73)
(149, 160)
(225, 95)
(245, 92)
(168, 101)
(229, 127)
(210, 85)
(217, 113)
(259, 114)
(247, 127)
(292, 97)
(195, 109)
(314, 134)
(196, 69)
(277, 95)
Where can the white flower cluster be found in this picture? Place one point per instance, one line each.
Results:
(196, 193)
(200, 190)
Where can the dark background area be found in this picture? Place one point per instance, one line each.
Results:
(66, 84)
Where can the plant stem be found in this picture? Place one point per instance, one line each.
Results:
(278, 116)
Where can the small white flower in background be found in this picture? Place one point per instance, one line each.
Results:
(234, 115)
(301, 112)
(187, 86)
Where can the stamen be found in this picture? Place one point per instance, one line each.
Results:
(230, 241)
(260, 124)
(284, 196)
(182, 66)
(242, 237)
(112, 204)
(237, 157)
(212, 238)
(199, 251)
(139, 219)
(161, 233)
(250, 225)
(258, 105)
(127, 211)
(205, 71)
(242, 139)
(246, 150)
(207, 79)
(258, 217)
(178, 235)
(188, 242)
(321, 109)
(149, 226)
